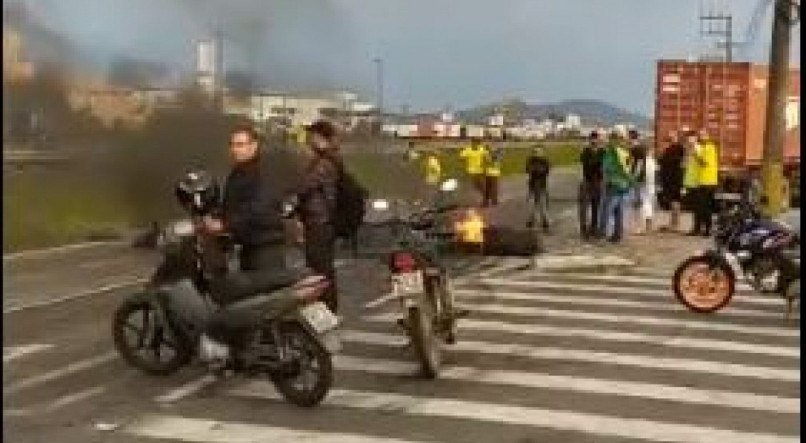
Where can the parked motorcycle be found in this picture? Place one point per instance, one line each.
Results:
(763, 252)
(419, 279)
(277, 329)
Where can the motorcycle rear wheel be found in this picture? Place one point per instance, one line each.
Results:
(313, 359)
(424, 341)
(703, 284)
(159, 336)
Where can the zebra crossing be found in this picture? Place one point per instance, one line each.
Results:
(549, 357)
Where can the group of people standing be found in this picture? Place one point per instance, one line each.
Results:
(622, 174)
(483, 166)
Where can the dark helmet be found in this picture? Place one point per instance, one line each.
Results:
(198, 192)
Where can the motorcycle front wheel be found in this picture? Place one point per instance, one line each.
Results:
(704, 284)
(146, 342)
(424, 341)
(312, 377)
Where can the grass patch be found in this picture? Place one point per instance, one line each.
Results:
(44, 208)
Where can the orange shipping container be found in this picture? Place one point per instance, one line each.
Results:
(728, 99)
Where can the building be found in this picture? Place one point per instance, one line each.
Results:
(15, 67)
(300, 109)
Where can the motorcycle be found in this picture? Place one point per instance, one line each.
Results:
(277, 329)
(764, 252)
(420, 280)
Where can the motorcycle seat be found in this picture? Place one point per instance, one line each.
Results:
(236, 286)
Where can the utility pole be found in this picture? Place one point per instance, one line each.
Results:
(379, 65)
(784, 16)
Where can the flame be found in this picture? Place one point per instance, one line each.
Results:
(470, 229)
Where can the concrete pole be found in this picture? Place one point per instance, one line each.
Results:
(775, 126)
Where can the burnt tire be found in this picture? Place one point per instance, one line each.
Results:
(695, 299)
(307, 347)
(424, 341)
(161, 334)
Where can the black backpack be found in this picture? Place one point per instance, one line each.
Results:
(351, 200)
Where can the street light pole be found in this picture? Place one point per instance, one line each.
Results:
(775, 125)
(379, 72)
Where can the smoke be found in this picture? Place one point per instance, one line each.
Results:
(289, 44)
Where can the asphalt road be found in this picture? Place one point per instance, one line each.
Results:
(544, 357)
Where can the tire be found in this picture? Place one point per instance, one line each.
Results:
(448, 307)
(424, 341)
(719, 297)
(182, 352)
(301, 342)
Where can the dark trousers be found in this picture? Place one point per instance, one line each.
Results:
(320, 256)
(490, 190)
(704, 207)
(590, 195)
(479, 184)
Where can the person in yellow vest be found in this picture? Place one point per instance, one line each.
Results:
(432, 169)
(691, 176)
(475, 156)
(707, 157)
(301, 135)
(492, 174)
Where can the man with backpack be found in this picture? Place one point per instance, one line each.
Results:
(331, 204)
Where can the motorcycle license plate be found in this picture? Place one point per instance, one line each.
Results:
(319, 317)
(408, 283)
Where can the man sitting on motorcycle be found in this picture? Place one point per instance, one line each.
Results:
(252, 213)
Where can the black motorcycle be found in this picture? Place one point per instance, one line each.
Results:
(762, 251)
(420, 280)
(275, 329)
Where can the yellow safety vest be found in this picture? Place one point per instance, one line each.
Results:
(433, 170)
(691, 176)
(474, 159)
(709, 171)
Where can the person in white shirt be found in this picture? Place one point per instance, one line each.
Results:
(645, 170)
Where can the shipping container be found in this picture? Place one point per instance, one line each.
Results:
(729, 100)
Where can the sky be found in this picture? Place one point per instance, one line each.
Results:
(436, 53)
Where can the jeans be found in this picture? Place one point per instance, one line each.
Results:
(490, 190)
(320, 256)
(540, 200)
(590, 197)
(613, 210)
(704, 207)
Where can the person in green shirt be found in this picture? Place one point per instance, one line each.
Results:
(617, 183)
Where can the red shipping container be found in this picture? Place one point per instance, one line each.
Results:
(729, 100)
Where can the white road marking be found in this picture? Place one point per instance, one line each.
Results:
(72, 368)
(211, 431)
(593, 424)
(615, 290)
(131, 281)
(14, 352)
(537, 380)
(541, 353)
(523, 311)
(382, 300)
(618, 336)
(57, 404)
(602, 301)
(40, 252)
(187, 389)
(656, 281)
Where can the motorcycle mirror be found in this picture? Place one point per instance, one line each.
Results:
(449, 185)
(380, 205)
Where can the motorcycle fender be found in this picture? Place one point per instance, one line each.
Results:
(725, 258)
(330, 340)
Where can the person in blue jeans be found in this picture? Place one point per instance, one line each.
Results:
(617, 183)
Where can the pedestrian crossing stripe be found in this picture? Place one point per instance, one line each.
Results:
(11, 353)
(607, 289)
(664, 282)
(589, 423)
(548, 353)
(600, 301)
(470, 324)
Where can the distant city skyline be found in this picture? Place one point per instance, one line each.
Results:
(435, 52)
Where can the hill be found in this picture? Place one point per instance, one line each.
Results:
(591, 111)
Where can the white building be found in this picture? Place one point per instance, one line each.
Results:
(299, 109)
(573, 121)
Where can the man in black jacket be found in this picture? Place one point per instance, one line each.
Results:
(252, 210)
(538, 167)
(590, 190)
(318, 193)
